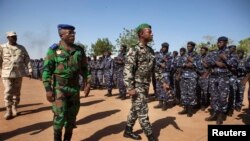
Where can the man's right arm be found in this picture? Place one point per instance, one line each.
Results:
(129, 70)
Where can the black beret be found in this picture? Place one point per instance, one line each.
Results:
(191, 43)
(165, 44)
(223, 38)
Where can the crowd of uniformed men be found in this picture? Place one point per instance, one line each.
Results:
(213, 78)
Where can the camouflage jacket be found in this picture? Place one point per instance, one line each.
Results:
(213, 56)
(121, 57)
(139, 66)
(241, 70)
(189, 72)
(13, 61)
(64, 66)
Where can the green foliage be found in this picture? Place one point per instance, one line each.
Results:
(244, 45)
(127, 37)
(101, 46)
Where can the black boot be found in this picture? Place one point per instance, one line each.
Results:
(220, 118)
(151, 137)
(184, 111)
(159, 105)
(164, 106)
(57, 135)
(68, 134)
(128, 133)
(189, 111)
(109, 93)
(212, 117)
(230, 112)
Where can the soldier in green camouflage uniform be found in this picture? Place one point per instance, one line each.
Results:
(64, 63)
(138, 69)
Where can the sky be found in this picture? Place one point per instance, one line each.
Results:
(172, 21)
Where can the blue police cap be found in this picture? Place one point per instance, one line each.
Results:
(223, 38)
(232, 46)
(65, 26)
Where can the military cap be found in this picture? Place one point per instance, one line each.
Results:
(65, 26)
(204, 47)
(165, 44)
(11, 33)
(232, 46)
(142, 26)
(223, 38)
(191, 43)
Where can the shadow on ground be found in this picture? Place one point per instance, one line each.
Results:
(112, 129)
(96, 116)
(34, 129)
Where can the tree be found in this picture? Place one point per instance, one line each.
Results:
(101, 46)
(244, 45)
(127, 37)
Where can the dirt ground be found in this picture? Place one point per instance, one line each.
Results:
(102, 118)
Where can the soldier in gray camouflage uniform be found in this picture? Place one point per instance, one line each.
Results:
(138, 70)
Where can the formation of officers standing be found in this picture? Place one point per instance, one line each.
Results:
(213, 78)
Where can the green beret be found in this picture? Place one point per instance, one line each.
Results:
(142, 26)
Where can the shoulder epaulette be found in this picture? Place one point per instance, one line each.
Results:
(54, 46)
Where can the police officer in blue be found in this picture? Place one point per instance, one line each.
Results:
(99, 67)
(203, 79)
(163, 63)
(219, 61)
(93, 70)
(232, 81)
(177, 75)
(188, 83)
(108, 72)
(120, 62)
(241, 74)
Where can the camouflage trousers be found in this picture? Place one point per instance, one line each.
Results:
(188, 91)
(120, 83)
(240, 92)
(233, 87)
(94, 78)
(203, 86)
(65, 108)
(219, 91)
(108, 78)
(99, 79)
(161, 94)
(12, 90)
(139, 109)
